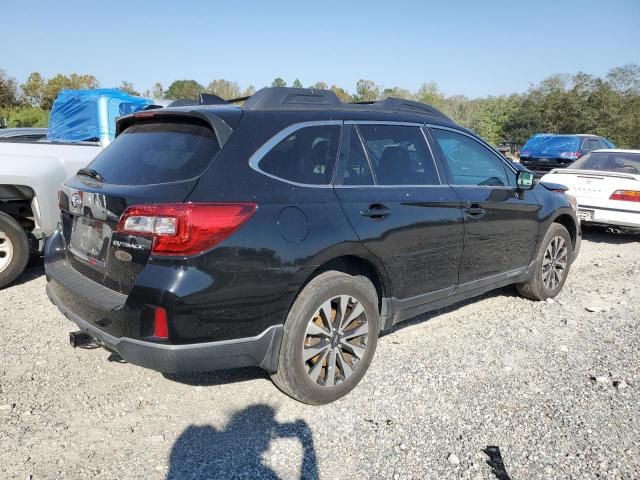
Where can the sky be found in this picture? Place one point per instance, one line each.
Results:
(475, 48)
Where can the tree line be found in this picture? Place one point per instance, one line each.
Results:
(580, 103)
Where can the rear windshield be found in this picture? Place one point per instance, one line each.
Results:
(150, 153)
(609, 162)
(550, 145)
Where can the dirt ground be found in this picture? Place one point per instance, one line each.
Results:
(495, 386)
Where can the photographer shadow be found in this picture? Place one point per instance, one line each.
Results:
(236, 452)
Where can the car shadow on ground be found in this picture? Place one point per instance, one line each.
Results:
(202, 451)
(600, 235)
(35, 269)
(221, 377)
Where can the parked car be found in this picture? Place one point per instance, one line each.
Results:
(290, 232)
(545, 151)
(82, 123)
(606, 184)
(23, 134)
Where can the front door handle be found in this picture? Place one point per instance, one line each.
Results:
(376, 210)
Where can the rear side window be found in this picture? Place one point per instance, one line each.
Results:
(399, 155)
(469, 162)
(150, 153)
(356, 169)
(307, 156)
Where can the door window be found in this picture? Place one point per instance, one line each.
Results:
(399, 155)
(306, 156)
(470, 162)
(356, 169)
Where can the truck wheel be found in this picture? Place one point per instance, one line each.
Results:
(14, 249)
(329, 339)
(551, 267)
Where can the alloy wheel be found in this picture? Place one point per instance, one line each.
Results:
(6, 251)
(554, 263)
(335, 340)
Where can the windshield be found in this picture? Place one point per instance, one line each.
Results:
(555, 145)
(624, 162)
(158, 152)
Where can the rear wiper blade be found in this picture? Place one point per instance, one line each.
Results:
(89, 172)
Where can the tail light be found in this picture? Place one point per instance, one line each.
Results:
(626, 195)
(185, 228)
(570, 155)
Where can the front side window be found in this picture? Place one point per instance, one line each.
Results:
(470, 163)
(399, 155)
(306, 156)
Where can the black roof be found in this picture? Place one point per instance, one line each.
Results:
(313, 100)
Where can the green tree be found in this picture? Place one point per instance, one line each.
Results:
(157, 92)
(63, 82)
(33, 89)
(127, 87)
(8, 91)
(247, 92)
(319, 86)
(367, 91)
(397, 92)
(342, 94)
(224, 89)
(278, 82)
(297, 83)
(184, 90)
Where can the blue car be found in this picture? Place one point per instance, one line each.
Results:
(545, 151)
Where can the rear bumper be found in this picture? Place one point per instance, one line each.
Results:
(261, 350)
(615, 217)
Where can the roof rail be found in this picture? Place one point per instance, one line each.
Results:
(277, 98)
(411, 106)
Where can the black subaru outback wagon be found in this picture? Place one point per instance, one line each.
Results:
(290, 232)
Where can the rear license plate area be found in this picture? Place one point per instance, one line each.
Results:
(585, 215)
(90, 240)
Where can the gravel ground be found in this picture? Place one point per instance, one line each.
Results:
(549, 389)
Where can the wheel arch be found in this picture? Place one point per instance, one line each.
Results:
(353, 265)
(568, 222)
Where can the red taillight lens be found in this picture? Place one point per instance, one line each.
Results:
(160, 324)
(626, 195)
(185, 228)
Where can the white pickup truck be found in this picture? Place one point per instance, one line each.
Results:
(82, 124)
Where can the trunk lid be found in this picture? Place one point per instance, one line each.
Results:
(154, 161)
(89, 218)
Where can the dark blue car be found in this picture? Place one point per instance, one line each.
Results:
(545, 151)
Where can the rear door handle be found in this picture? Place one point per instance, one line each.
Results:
(376, 211)
(475, 211)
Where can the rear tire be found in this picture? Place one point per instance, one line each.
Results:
(336, 317)
(14, 250)
(552, 265)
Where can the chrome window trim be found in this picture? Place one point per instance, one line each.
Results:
(258, 155)
(395, 186)
(383, 122)
(486, 146)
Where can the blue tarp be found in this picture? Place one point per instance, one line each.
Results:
(81, 115)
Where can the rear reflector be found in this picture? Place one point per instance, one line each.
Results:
(626, 195)
(160, 324)
(185, 228)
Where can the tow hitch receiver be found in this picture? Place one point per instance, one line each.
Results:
(80, 339)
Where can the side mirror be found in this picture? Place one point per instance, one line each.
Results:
(525, 180)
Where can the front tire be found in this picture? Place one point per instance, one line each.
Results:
(14, 250)
(329, 338)
(551, 267)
